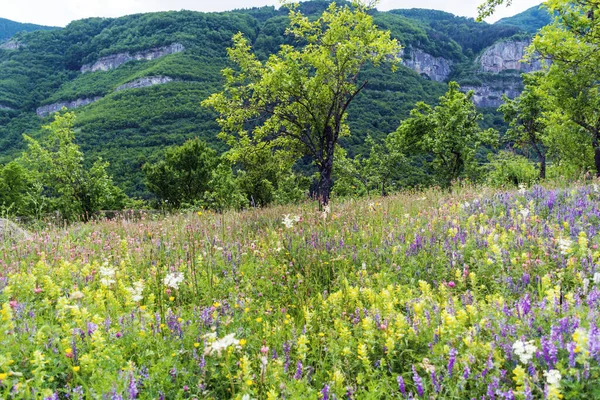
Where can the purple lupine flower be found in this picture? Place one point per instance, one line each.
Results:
(418, 382)
(435, 381)
(298, 374)
(452, 360)
(550, 352)
(527, 392)
(349, 393)
(115, 395)
(571, 348)
(286, 350)
(132, 388)
(466, 372)
(53, 396)
(325, 392)
(91, 328)
(401, 386)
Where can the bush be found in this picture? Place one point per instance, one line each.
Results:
(507, 168)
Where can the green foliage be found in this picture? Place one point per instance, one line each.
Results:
(64, 185)
(224, 193)
(301, 93)
(510, 169)
(571, 82)
(184, 175)
(9, 28)
(450, 133)
(525, 118)
(16, 188)
(530, 20)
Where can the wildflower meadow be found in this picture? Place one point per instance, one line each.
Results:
(476, 294)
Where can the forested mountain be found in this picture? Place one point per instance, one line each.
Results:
(530, 20)
(136, 82)
(9, 28)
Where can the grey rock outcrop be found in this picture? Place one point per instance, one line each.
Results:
(488, 95)
(115, 60)
(10, 231)
(6, 108)
(145, 82)
(435, 68)
(52, 108)
(507, 55)
(11, 45)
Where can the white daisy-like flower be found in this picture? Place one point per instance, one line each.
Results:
(136, 291)
(216, 346)
(524, 350)
(565, 246)
(173, 280)
(107, 275)
(553, 377)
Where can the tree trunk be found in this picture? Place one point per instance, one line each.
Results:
(326, 168)
(543, 167)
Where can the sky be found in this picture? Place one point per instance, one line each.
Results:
(61, 12)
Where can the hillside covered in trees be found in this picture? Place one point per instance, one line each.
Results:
(136, 82)
(9, 28)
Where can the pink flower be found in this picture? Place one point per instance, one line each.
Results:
(13, 304)
(37, 290)
(451, 284)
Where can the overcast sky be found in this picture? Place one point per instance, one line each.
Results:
(61, 12)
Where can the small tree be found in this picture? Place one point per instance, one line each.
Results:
(524, 115)
(65, 185)
(184, 174)
(449, 133)
(298, 99)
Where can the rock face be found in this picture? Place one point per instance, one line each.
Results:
(10, 231)
(504, 56)
(52, 108)
(115, 60)
(6, 108)
(491, 95)
(145, 82)
(11, 45)
(435, 68)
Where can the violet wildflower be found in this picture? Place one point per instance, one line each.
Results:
(452, 360)
(401, 385)
(418, 382)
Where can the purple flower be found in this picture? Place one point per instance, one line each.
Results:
(452, 360)
(401, 386)
(132, 389)
(298, 374)
(418, 382)
(325, 392)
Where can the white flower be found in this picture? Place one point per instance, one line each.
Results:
(597, 278)
(524, 212)
(287, 221)
(173, 279)
(77, 295)
(107, 275)
(522, 188)
(136, 291)
(553, 377)
(524, 350)
(218, 345)
(565, 246)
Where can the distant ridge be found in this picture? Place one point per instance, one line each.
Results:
(530, 20)
(9, 28)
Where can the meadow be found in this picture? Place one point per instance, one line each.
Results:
(477, 294)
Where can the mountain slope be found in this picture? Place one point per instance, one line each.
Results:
(530, 20)
(9, 28)
(136, 82)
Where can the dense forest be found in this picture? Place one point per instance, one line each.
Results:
(129, 128)
(9, 28)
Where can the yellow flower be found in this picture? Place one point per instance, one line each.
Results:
(196, 345)
(3, 376)
(243, 342)
(76, 368)
(171, 298)
(216, 304)
(259, 320)
(249, 382)
(199, 213)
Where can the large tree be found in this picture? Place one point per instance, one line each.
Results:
(525, 116)
(448, 133)
(297, 100)
(572, 81)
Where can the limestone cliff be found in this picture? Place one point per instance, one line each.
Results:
(435, 68)
(507, 55)
(115, 60)
(136, 84)
(490, 95)
(52, 108)
(145, 82)
(11, 45)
